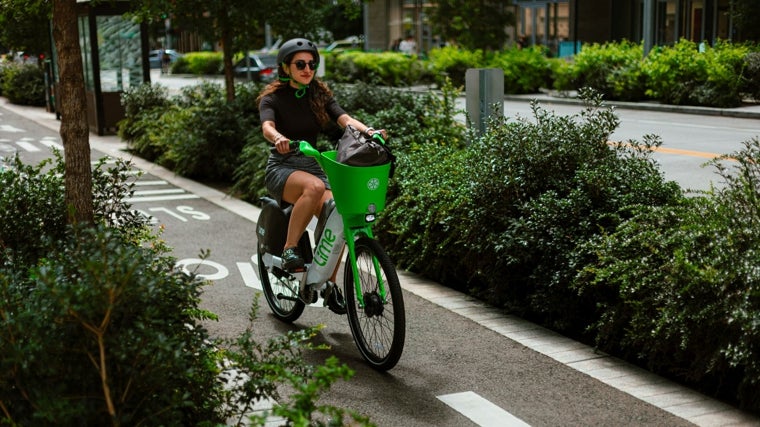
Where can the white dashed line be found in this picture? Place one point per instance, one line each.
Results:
(481, 411)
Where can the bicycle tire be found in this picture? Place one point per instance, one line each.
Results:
(280, 292)
(379, 328)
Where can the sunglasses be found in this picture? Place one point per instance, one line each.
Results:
(301, 65)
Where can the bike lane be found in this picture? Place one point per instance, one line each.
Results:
(463, 360)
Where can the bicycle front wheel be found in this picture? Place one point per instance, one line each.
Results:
(379, 323)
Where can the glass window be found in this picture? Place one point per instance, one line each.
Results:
(84, 45)
(119, 53)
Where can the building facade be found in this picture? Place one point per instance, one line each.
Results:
(552, 22)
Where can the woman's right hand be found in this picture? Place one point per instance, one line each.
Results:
(282, 145)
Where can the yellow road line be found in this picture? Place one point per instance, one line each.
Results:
(679, 151)
(691, 153)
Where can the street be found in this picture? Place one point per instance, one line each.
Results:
(459, 354)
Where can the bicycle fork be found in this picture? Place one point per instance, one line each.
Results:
(353, 234)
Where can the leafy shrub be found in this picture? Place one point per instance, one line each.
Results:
(681, 75)
(31, 204)
(752, 76)
(24, 84)
(143, 106)
(562, 76)
(452, 62)
(3, 65)
(199, 63)
(205, 134)
(122, 325)
(692, 312)
(97, 324)
(613, 69)
(197, 134)
(386, 68)
(534, 190)
(525, 70)
(420, 225)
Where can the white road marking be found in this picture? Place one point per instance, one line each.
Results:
(146, 183)
(28, 146)
(155, 192)
(162, 198)
(9, 128)
(481, 411)
(51, 144)
(250, 278)
(220, 273)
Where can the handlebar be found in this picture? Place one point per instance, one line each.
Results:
(307, 149)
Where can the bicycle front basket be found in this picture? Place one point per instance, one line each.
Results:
(358, 190)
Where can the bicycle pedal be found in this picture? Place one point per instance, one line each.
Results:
(333, 299)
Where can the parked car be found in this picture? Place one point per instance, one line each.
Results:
(349, 43)
(155, 57)
(258, 67)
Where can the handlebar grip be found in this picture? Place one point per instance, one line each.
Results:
(379, 136)
(294, 146)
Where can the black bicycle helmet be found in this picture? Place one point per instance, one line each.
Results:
(295, 45)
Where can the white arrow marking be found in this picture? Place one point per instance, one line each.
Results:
(249, 275)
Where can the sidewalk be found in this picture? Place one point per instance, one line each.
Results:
(662, 393)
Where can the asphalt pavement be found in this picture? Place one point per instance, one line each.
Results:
(639, 383)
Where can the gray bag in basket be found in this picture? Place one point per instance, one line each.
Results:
(359, 149)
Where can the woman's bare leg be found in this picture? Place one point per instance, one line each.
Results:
(306, 193)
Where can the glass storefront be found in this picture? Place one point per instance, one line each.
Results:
(696, 20)
(119, 53)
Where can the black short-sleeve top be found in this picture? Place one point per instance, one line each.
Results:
(293, 116)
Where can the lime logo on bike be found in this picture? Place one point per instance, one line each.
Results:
(373, 184)
(326, 244)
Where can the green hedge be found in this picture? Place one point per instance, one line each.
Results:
(453, 63)
(613, 69)
(525, 70)
(386, 68)
(199, 63)
(682, 75)
(721, 76)
(23, 84)
(678, 286)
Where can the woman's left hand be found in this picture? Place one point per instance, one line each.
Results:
(382, 132)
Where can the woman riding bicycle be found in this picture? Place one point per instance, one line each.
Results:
(297, 107)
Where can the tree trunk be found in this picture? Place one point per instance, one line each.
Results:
(226, 33)
(74, 130)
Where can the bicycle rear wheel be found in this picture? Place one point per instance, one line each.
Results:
(379, 326)
(281, 292)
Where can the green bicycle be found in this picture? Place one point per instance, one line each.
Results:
(374, 301)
